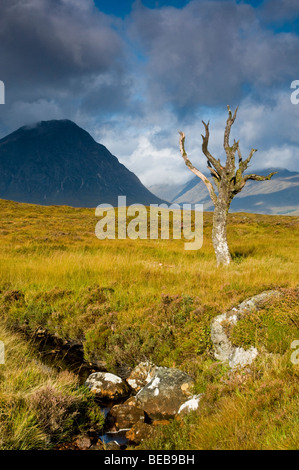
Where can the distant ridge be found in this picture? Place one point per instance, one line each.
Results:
(57, 162)
(280, 195)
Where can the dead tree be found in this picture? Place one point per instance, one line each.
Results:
(228, 182)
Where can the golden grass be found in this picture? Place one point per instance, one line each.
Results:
(130, 300)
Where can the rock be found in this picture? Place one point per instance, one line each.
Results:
(112, 445)
(98, 446)
(107, 386)
(141, 375)
(241, 357)
(131, 401)
(162, 397)
(190, 405)
(139, 432)
(125, 416)
(224, 350)
(83, 442)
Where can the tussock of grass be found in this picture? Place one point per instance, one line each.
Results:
(39, 407)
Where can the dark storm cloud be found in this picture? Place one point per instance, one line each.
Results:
(50, 40)
(280, 10)
(133, 81)
(109, 92)
(62, 57)
(57, 50)
(211, 53)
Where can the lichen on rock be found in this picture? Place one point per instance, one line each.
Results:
(224, 350)
(107, 386)
(162, 397)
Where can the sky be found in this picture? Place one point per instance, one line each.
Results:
(134, 73)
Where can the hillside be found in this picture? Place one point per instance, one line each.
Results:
(57, 162)
(280, 195)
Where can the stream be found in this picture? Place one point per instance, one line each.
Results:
(56, 353)
(110, 435)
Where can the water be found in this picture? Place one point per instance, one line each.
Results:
(117, 436)
(113, 436)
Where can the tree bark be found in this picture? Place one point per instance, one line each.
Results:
(219, 236)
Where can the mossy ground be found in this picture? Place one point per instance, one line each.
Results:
(133, 300)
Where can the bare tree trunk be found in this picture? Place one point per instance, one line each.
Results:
(219, 236)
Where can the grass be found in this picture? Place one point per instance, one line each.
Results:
(39, 407)
(133, 300)
(247, 410)
(272, 327)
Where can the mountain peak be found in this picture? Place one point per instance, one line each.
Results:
(58, 162)
(50, 123)
(47, 125)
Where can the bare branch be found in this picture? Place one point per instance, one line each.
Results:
(205, 141)
(235, 147)
(239, 154)
(195, 170)
(213, 172)
(230, 120)
(259, 177)
(244, 164)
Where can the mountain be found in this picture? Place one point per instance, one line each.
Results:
(280, 195)
(57, 162)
